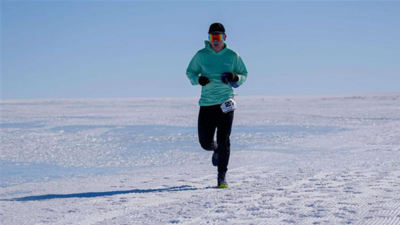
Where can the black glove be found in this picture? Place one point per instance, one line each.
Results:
(203, 81)
(231, 77)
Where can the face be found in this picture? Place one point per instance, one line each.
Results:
(217, 42)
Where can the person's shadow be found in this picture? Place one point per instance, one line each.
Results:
(100, 194)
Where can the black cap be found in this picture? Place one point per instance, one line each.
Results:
(216, 28)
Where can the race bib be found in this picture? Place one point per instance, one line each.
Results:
(228, 106)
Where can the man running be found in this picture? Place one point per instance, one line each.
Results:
(218, 69)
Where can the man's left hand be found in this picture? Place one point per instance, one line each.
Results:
(229, 77)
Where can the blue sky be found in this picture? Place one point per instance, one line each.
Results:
(123, 49)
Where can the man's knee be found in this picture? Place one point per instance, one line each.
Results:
(209, 146)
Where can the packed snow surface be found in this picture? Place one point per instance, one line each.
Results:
(294, 160)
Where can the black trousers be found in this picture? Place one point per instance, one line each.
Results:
(212, 118)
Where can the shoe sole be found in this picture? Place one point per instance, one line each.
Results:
(214, 161)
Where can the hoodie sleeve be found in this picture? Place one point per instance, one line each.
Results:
(194, 69)
(240, 70)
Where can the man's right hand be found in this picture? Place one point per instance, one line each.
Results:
(203, 81)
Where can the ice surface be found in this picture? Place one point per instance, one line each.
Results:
(295, 159)
(43, 150)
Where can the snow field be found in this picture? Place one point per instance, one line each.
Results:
(344, 170)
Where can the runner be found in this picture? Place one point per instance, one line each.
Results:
(217, 68)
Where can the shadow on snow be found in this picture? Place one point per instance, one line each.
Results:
(101, 194)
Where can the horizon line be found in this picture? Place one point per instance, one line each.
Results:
(197, 97)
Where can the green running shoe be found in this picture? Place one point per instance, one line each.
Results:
(222, 181)
(223, 186)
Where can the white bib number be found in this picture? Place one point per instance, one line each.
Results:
(228, 106)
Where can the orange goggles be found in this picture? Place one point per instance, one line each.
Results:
(218, 37)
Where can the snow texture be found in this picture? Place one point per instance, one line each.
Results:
(295, 160)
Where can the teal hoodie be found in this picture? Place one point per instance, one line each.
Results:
(210, 64)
